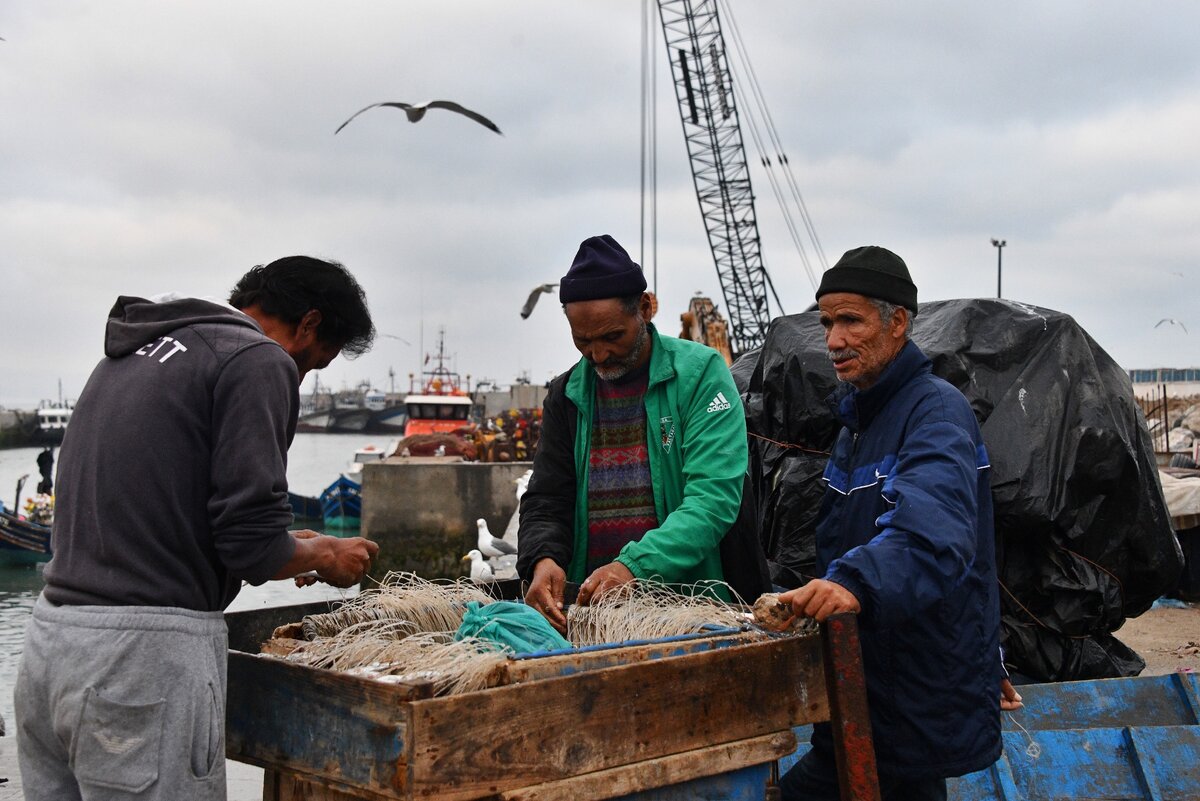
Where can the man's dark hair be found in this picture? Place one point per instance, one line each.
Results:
(631, 303)
(289, 287)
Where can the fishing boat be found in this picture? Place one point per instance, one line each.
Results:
(52, 418)
(441, 406)
(26, 540)
(305, 508)
(362, 410)
(22, 541)
(341, 502)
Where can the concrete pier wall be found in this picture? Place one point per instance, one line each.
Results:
(422, 512)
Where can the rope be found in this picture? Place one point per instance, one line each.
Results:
(1033, 750)
(788, 445)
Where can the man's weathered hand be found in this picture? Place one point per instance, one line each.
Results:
(546, 592)
(819, 599)
(351, 560)
(1010, 699)
(603, 579)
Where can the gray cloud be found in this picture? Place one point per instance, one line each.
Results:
(152, 146)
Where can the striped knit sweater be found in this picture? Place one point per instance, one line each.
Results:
(620, 492)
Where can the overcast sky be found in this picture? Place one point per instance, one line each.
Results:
(149, 146)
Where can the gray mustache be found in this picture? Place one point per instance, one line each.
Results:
(844, 353)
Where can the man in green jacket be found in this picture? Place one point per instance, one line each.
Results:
(640, 466)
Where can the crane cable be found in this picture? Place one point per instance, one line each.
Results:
(754, 126)
(649, 146)
(750, 79)
(649, 140)
(781, 155)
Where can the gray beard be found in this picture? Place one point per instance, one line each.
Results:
(622, 368)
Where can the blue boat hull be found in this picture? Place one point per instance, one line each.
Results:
(22, 542)
(342, 500)
(305, 507)
(1130, 739)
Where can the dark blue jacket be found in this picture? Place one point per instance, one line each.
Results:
(906, 525)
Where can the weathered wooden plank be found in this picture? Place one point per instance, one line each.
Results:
(290, 787)
(490, 742)
(661, 772)
(318, 722)
(546, 667)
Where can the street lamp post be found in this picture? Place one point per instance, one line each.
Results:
(999, 244)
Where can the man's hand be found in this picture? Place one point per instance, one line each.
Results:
(546, 592)
(1010, 699)
(350, 561)
(336, 561)
(819, 599)
(603, 579)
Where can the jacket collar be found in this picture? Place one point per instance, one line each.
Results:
(581, 386)
(857, 408)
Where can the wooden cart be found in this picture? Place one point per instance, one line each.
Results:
(638, 719)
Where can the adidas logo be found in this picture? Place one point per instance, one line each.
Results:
(718, 404)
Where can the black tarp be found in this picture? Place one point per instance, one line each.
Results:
(1084, 539)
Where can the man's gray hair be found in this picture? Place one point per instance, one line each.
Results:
(886, 310)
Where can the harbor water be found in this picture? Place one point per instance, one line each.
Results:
(314, 461)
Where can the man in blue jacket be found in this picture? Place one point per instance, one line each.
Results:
(905, 540)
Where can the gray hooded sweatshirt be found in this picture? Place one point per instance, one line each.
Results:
(172, 485)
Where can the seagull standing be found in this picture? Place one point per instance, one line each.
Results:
(523, 484)
(480, 570)
(527, 309)
(489, 545)
(415, 111)
(1172, 321)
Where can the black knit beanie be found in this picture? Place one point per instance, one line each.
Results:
(874, 272)
(602, 269)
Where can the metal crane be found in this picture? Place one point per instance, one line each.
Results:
(712, 130)
(704, 89)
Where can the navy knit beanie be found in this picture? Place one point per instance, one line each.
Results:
(602, 269)
(874, 272)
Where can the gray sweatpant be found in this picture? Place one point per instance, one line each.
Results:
(122, 702)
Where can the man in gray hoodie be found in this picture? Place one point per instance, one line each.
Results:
(172, 491)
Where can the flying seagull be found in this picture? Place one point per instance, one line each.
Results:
(393, 336)
(527, 309)
(489, 545)
(1172, 322)
(417, 111)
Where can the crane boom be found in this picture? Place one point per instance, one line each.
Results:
(704, 89)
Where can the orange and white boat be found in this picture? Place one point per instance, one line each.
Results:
(441, 406)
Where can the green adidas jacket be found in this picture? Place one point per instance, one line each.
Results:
(696, 439)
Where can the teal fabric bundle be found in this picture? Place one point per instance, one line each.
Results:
(517, 627)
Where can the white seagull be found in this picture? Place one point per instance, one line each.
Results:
(1172, 321)
(480, 570)
(523, 483)
(415, 111)
(527, 309)
(489, 545)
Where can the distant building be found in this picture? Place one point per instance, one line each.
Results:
(1180, 383)
(518, 396)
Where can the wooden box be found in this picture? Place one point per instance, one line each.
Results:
(589, 724)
